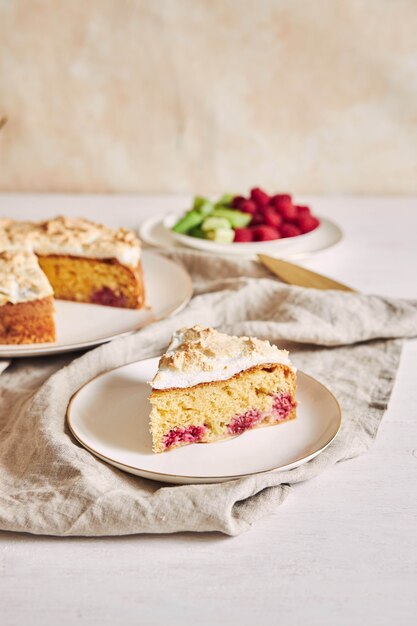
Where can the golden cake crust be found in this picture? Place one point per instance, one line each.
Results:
(27, 322)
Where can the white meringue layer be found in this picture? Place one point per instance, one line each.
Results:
(216, 367)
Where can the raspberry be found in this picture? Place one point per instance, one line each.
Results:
(281, 200)
(288, 212)
(307, 223)
(278, 197)
(265, 233)
(243, 234)
(303, 210)
(271, 217)
(282, 405)
(238, 201)
(248, 206)
(265, 208)
(259, 197)
(257, 219)
(243, 422)
(108, 297)
(290, 230)
(183, 435)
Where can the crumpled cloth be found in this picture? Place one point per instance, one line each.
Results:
(51, 485)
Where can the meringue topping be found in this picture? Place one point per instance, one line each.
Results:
(198, 355)
(21, 278)
(72, 237)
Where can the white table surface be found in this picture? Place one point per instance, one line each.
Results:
(342, 549)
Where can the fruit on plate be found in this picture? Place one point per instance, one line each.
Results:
(239, 219)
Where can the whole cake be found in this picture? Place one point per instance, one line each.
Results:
(211, 386)
(69, 258)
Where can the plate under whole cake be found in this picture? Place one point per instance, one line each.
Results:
(81, 325)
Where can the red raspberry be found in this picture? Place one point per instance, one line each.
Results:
(307, 223)
(281, 200)
(243, 234)
(266, 208)
(271, 217)
(279, 197)
(290, 230)
(288, 212)
(238, 201)
(248, 206)
(265, 233)
(302, 210)
(259, 197)
(257, 219)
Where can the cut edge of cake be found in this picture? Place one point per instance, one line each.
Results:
(95, 281)
(211, 386)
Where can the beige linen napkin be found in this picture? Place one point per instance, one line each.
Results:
(51, 485)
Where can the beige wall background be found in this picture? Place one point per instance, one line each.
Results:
(313, 96)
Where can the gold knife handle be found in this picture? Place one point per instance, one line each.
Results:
(296, 275)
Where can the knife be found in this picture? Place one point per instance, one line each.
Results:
(296, 275)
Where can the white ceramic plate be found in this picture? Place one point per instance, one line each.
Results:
(168, 289)
(155, 233)
(110, 417)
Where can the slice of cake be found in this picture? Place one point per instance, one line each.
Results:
(211, 386)
(26, 302)
(83, 261)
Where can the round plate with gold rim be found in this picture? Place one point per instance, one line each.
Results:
(109, 416)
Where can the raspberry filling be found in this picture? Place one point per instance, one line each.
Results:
(190, 434)
(108, 297)
(282, 406)
(243, 422)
